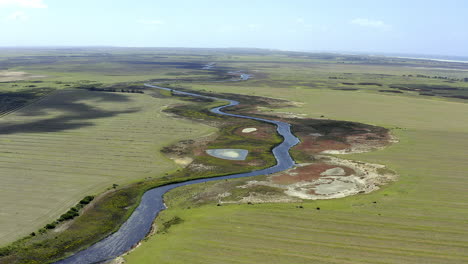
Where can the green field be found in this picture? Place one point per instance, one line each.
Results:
(63, 143)
(76, 143)
(421, 218)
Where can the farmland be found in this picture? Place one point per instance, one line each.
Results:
(69, 139)
(74, 143)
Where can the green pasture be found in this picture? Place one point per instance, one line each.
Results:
(421, 218)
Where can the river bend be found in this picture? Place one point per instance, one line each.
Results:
(139, 223)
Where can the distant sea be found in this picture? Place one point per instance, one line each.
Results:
(427, 57)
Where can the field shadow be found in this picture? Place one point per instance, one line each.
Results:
(70, 109)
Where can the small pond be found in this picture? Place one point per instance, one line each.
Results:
(228, 154)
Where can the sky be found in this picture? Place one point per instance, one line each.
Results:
(391, 26)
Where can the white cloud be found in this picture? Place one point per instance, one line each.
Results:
(364, 22)
(17, 16)
(24, 3)
(150, 22)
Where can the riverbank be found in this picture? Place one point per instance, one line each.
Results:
(114, 208)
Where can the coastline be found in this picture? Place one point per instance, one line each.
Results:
(430, 59)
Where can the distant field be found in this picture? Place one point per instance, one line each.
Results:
(419, 219)
(76, 143)
(408, 80)
(104, 65)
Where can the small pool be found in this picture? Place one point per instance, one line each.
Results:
(228, 154)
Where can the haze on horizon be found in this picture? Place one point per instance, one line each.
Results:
(397, 26)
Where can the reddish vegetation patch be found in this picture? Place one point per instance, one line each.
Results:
(313, 145)
(370, 139)
(306, 173)
(199, 150)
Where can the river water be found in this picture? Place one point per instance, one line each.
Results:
(139, 224)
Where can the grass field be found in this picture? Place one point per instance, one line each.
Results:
(75, 143)
(419, 219)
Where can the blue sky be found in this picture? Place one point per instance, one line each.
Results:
(422, 27)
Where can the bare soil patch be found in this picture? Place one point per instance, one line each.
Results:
(305, 172)
(249, 130)
(183, 151)
(316, 181)
(259, 132)
(9, 76)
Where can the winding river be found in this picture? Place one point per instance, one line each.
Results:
(139, 224)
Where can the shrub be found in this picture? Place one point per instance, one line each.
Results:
(166, 225)
(50, 226)
(87, 199)
(72, 213)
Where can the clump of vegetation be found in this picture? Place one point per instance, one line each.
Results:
(70, 214)
(50, 226)
(87, 199)
(74, 211)
(167, 224)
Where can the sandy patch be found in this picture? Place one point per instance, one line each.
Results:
(290, 115)
(334, 171)
(249, 130)
(303, 173)
(184, 161)
(315, 134)
(264, 132)
(365, 180)
(329, 179)
(8, 76)
(200, 167)
(297, 104)
(63, 226)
